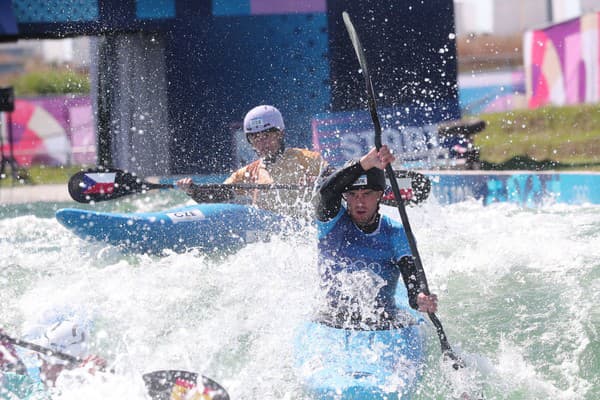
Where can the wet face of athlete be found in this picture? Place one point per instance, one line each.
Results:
(363, 205)
(267, 143)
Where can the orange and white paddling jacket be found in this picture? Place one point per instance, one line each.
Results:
(293, 167)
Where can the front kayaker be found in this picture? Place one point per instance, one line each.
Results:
(265, 131)
(362, 254)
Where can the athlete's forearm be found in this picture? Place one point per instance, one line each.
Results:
(411, 280)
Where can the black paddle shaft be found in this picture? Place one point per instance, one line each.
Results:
(40, 349)
(446, 348)
(102, 184)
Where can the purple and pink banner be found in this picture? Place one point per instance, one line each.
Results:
(50, 131)
(562, 62)
(267, 7)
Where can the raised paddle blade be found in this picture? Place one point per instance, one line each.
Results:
(362, 61)
(106, 184)
(176, 384)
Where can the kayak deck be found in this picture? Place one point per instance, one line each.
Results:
(349, 364)
(210, 227)
(334, 363)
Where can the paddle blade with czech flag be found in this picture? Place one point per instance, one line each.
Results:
(100, 185)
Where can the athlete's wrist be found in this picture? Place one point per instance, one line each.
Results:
(365, 163)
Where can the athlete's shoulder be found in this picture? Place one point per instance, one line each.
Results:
(325, 227)
(244, 174)
(302, 153)
(391, 224)
(390, 221)
(236, 176)
(395, 233)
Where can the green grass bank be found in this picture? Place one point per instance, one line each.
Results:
(546, 138)
(39, 174)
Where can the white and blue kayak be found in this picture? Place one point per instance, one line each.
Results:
(208, 226)
(335, 363)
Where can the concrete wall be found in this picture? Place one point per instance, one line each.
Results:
(129, 91)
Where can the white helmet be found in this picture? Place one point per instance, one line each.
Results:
(263, 118)
(66, 337)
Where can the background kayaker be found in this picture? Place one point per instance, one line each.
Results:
(69, 337)
(361, 252)
(265, 131)
(43, 370)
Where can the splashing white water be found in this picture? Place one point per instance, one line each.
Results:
(517, 291)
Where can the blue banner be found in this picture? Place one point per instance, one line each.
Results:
(528, 189)
(8, 22)
(414, 138)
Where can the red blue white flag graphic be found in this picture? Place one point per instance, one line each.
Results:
(103, 182)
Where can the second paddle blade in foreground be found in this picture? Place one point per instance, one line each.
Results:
(175, 385)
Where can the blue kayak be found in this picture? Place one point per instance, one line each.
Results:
(210, 227)
(348, 364)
